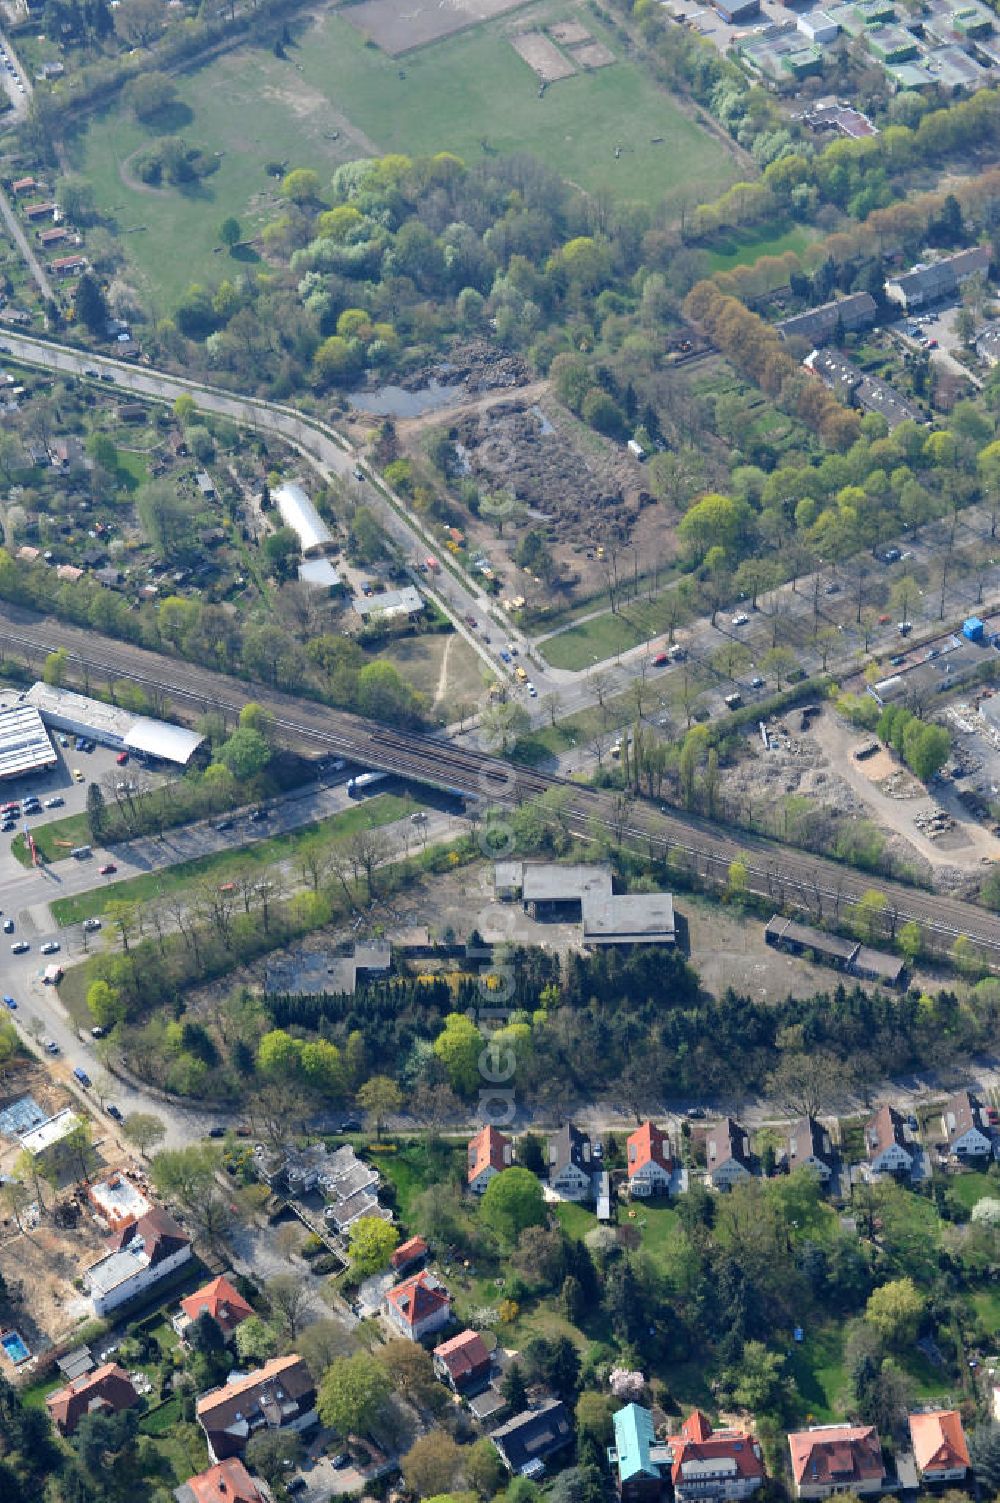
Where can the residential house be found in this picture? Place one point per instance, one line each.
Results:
(888, 1143)
(417, 1307)
(69, 266)
(727, 1154)
(490, 1152)
(532, 1437)
(940, 1449)
(390, 605)
(639, 1462)
(218, 1299)
(966, 1128)
(809, 1144)
(281, 1395)
(650, 1160)
(38, 211)
(414, 1250)
(571, 1166)
(107, 1390)
(142, 1254)
(858, 311)
(23, 185)
(924, 284)
(714, 1466)
(463, 1362)
(226, 1482)
(829, 1459)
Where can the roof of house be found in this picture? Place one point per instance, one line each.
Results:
(634, 1441)
(649, 1144)
(107, 1387)
(487, 1150)
(938, 1440)
(732, 1451)
(850, 312)
(839, 1454)
(569, 1146)
(809, 1139)
(227, 1482)
(962, 1113)
(284, 1378)
(160, 1235)
(942, 275)
(220, 1300)
(463, 1354)
(727, 1141)
(883, 1130)
(418, 1298)
(408, 1252)
(534, 1434)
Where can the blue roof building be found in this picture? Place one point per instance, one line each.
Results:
(638, 1460)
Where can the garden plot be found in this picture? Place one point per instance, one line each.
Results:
(399, 28)
(570, 33)
(542, 56)
(592, 55)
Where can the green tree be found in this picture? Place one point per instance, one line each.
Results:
(54, 669)
(149, 95)
(283, 551)
(895, 1310)
(246, 754)
(371, 1243)
(910, 940)
(380, 1097)
(433, 1464)
(354, 1394)
(255, 1340)
(459, 1046)
(513, 1200)
(145, 1130)
(230, 231)
(105, 1004)
(89, 303)
(300, 186)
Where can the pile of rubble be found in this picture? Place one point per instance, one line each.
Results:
(933, 822)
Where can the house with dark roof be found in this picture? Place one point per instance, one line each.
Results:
(571, 1164)
(639, 1462)
(964, 1123)
(107, 1390)
(858, 311)
(490, 1152)
(533, 1437)
(226, 1482)
(218, 1299)
(728, 1159)
(940, 1449)
(281, 1395)
(650, 1161)
(463, 1362)
(714, 1466)
(142, 1253)
(417, 1307)
(829, 1459)
(810, 1145)
(924, 284)
(888, 1143)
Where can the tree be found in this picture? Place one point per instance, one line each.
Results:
(54, 668)
(371, 1243)
(138, 21)
(246, 753)
(759, 1384)
(895, 1311)
(514, 1388)
(512, 1201)
(273, 1453)
(145, 1130)
(300, 186)
(105, 1004)
(149, 95)
(410, 1368)
(288, 1298)
(433, 1464)
(283, 550)
(503, 725)
(380, 1097)
(354, 1394)
(230, 231)
(255, 1340)
(89, 303)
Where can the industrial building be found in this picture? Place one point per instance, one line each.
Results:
(844, 954)
(583, 894)
(24, 743)
(122, 730)
(954, 664)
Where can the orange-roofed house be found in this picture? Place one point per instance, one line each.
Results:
(228, 1482)
(490, 1152)
(219, 1299)
(107, 1390)
(463, 1362)
(412, 1251)
(714, 1466)
(939, 1445)
(650, 1161)
(417, 1307)
(829, 1459)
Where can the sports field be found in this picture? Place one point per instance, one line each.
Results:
(334, 99)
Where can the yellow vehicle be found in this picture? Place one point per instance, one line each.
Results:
(520, 675)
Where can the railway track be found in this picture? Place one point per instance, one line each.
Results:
(822, 888)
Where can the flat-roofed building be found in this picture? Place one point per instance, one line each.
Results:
(24, 742)
(584, 894)
(299, 513)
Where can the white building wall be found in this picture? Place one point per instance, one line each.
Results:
(143, 1279)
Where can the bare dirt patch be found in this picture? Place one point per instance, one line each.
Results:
(398, 28)
(592, 55)
(542, 56)
(569, 33)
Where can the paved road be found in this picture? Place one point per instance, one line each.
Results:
(16, 232)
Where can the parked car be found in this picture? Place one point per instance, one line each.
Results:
(256, 815)
(8, 926)
(350, 1124)
(51, 947)
(122, 758)
(81, 1075)
(9, 1002)
(98, 1033)
(77, 775)
(114, 1111)
(55, 802)
(91, 925)
(107, 870)
(216, 1132)
(20, 947)
(756, 682)
(222, 825)
(741, 618)
(51, 1047)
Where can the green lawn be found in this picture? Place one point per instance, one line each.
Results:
(592, 641)
(816, 1366)
(162, 1420)
(332, 99)
(986, 1303)
(743, 250)
(224, 866)
(410, 1170)
(54, 840)
(970, 1186)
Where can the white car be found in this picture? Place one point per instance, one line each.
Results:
(50, 947)
(91, 925)
(741, 618)
(532, 691)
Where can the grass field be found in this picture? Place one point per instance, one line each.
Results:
(54, 840)
(332, 99)
(224, 865)
(441, 666)
(743, 250)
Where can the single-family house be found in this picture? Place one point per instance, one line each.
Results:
(714, 1466)
(829, 1459)
(417, 1307)
(888, 1143)
(220, 1300)
(69, 266)
(142, 1254)
(226, 1482)
(940, 1449)
(463, 1362)
(727, 1154)
(650, 1160)
(107, 1390)
(532, 1437)
(281, 1395)
(640, 1464)
(809, 1144)
(490, 1152)
(414, 1250)
(964, 1124)
(571, 1166)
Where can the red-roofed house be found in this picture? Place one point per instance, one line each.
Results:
(939, 1445)
(228, 1482)
(463, 1362)
(830, 1459)
(714, 1466)
(106, 1390)
(408, 1253)
(417, 1307)
(650, 1161)
(218, 1299)
(490, 1152)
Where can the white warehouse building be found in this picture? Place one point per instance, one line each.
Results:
(122, 730)
(24, 743)
(315, 538)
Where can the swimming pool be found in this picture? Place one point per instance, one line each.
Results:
(14, 1346)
